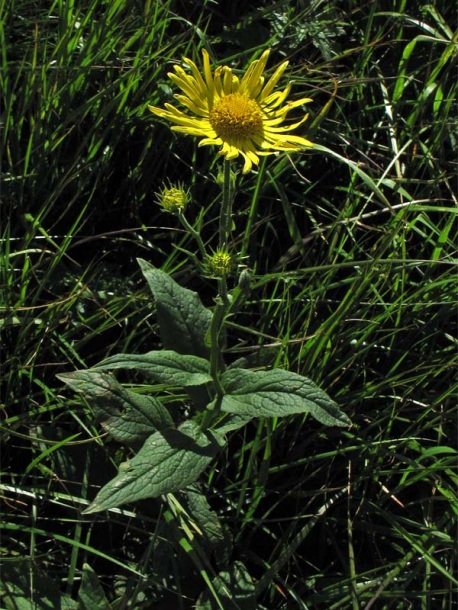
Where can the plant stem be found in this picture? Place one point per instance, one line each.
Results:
(215, 341)
(194, 233)
(225, 218)
(217, 328)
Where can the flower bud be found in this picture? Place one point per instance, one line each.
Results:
(245, 279)
(173, 198)
(220, 264)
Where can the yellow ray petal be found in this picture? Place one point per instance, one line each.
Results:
(244, 116)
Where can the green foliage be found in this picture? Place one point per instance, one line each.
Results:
(172, 458)
(234, 590)
(165, 366)
(277, 393)
(169, 460)
(24, 587)
(183, 321)
(353, 255)
(128, 416)
(90, 594)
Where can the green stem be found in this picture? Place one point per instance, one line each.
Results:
(216, 363)
(215, 334)
(225, 218)
(194, 233)
(217, 327)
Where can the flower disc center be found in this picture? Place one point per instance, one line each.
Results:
(236, 116)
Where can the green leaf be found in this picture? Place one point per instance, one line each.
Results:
(205, 519)
(183, 320)
(277, 393)
(16, 592)
(163, 366)
(128, 417)
(233, 588)
(169, 461)
(230, 422)
(91, 595)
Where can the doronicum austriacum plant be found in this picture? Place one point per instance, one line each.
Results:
(172, 447)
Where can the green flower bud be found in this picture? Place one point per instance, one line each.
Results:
(220, 264)
(245, 279)
(173, 199)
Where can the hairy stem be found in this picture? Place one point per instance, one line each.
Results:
(217, 328)
(225, 218)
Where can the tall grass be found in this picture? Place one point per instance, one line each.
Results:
(353, 247)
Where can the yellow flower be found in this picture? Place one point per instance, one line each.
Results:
(243, 116)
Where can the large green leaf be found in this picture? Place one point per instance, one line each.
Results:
(183, 320)
(169, 461)
(277, 393)
(127, 416)
(164, 366)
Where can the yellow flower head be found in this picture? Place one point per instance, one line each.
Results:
(173, 199)
(243, 116)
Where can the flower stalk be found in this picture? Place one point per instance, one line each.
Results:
(225, 218)
(222, 304)
(195, 234)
